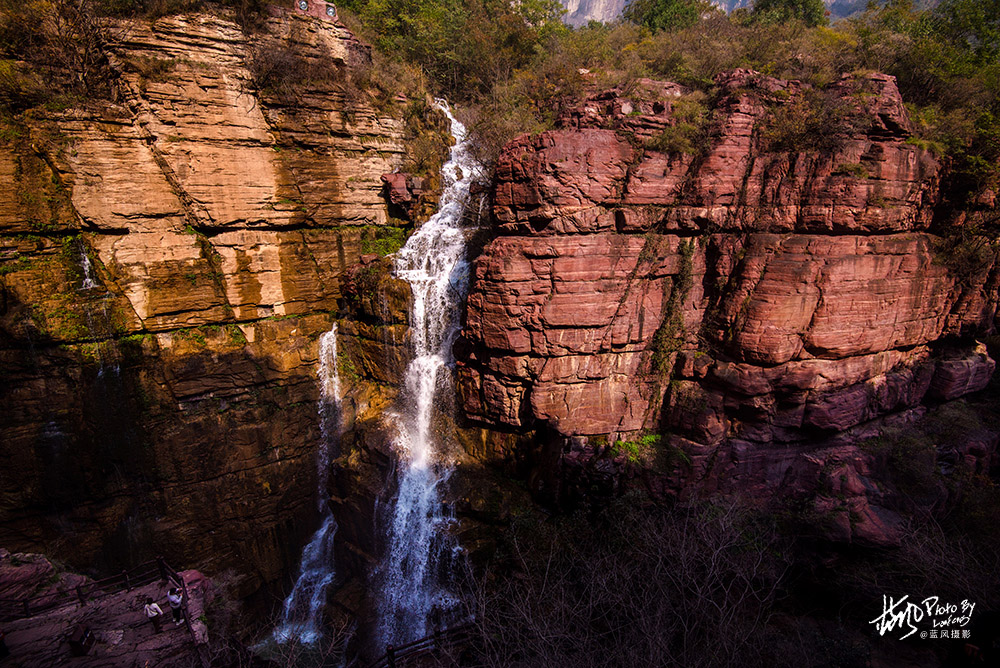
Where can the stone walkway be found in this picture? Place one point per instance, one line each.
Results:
(123, 636)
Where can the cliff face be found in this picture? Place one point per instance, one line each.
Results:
(753, 302)
(581, 12)
(168, 263)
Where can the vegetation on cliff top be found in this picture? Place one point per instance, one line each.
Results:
(518, 65)
(945, 61)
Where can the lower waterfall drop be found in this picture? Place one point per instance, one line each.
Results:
(411, 595)
(301, 614)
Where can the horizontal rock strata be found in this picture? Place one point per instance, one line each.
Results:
(167, 263)
(744, 293)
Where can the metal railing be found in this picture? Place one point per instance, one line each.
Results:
(439, 641)
(133, 578)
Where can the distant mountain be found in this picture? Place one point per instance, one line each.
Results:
(579, 12)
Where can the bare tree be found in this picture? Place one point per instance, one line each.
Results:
(69, 40)
(693, 586)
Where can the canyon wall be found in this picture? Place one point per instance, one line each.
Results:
(168, 260)
(749, 301)
(737, 310)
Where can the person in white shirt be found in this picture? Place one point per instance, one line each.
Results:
(154, 613)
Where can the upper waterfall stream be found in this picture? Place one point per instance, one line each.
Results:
(412, 591)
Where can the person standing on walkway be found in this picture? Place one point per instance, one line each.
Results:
(176, 600)
(154, 613)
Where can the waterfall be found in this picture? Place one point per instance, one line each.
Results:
(89, 281)
(433, 261)
(329, 413)
(96, 302)
(301, 613)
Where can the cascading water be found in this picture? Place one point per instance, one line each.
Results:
(96, 310)
(89, 281)
(434, 263)
(302, 611)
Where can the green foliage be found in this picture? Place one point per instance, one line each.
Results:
(60, 318)
(19, 89)
(659, 15)
(345, 365)
(968, 253)
(640, 451)
(194, 334)
(855, 169)
(687, 135)
(812, 120)
(939, 58)
(975, 24)
(810, 12)
(449, 38)
(13, 263)
(236, 335)
(428, 138)
(382, 239)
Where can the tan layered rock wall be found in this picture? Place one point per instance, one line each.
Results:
(168, 406)
(773, 299)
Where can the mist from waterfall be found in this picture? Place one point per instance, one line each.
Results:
(411, 592)
(302, 611)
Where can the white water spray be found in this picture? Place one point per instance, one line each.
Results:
(433, 262)
(301, 614)
(89, 280)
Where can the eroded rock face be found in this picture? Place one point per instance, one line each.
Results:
(738, 298)
(169, 262)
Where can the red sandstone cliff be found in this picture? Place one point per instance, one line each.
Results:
(752, 304)
(169, 406)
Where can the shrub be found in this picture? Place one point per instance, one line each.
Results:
(810, 12)
(907, 461)
(382, 239)
(660, 15)
(641, 451)
(855, 169)
(669, 335)
(967, 254)
(20, 88)
(813, 120)
(276, 70)
(449, 38)
(687, 135)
